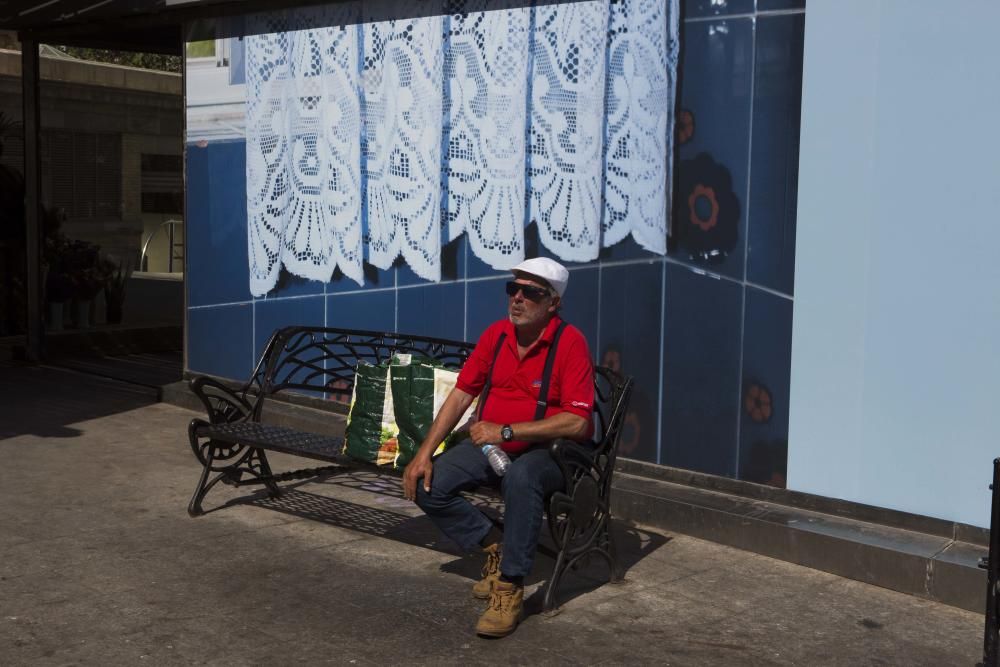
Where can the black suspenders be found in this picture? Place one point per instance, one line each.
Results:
(489, 375)
(543, 393)
(550, 360)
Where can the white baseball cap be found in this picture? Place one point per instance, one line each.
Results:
(551, 271)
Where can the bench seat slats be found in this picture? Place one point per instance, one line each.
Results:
(278, 439)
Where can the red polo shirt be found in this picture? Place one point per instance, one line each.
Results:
(517, 382)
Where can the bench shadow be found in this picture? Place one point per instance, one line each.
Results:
(393, 520)
(375, 521)
(632, 543)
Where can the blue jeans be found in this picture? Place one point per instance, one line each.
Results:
(531, 478)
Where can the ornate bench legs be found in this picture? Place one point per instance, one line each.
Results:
(230, 462)
(579, 529)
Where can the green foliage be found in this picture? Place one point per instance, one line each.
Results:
(155, 61)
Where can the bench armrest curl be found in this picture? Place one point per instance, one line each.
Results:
(574, 459)
(222, 404)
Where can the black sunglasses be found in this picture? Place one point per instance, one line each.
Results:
(530, 291)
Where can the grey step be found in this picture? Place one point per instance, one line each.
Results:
(931, 566)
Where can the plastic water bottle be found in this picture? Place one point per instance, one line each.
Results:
(498, 459)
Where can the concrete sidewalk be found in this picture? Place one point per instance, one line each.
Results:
(100, 565)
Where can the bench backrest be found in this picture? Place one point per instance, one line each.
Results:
(612, 392)
(321, 361)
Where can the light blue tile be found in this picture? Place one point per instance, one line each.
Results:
(579, 306)
(220, 341)
(631, 306)
(216, 224)
(767, 363)
(701, 369)
(368, 311)
(709, 201)
(433, 310)
(487, 304)
(275, 314)
(775, 160)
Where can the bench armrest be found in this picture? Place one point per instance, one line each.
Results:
(574, 459)
(222, 404)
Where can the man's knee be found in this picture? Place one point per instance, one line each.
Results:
(534, 473)
(428, 501)
(521, 479)
(422, 498)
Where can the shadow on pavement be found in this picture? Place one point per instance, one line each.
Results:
(46, 402)
(416, 531)
(632, 543)
(150, 369)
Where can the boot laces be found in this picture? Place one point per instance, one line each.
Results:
(502, 600)
(492, 565)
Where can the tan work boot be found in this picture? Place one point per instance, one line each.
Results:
(491, 572)
(504, 611)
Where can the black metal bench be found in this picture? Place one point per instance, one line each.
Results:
(321, 362)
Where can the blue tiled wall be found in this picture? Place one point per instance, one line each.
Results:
(706, 331)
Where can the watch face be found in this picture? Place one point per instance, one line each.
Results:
(507, 432)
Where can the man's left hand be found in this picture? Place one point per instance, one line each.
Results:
(483, 433)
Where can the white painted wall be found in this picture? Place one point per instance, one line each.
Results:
(896, 339)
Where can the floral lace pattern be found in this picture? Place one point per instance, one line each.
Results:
(402, 99)
(642, 81)
(361, 134)
(487, 75)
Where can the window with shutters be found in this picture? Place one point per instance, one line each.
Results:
(162, 184)
(82, 173)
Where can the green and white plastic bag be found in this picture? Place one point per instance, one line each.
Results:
(371, 433)
(418, 391)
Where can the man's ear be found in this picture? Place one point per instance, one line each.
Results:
(556, 302)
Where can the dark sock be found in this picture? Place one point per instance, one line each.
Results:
(517, 581)
(492, 537)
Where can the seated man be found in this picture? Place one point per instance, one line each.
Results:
(506, 370)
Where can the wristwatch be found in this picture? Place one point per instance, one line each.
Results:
(507, 433)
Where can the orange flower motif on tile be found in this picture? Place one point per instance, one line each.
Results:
(684, 126)
(703, 191)
(707, 210)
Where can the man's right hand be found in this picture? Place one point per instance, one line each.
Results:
(419, 467)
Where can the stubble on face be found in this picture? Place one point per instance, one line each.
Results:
(523, 311)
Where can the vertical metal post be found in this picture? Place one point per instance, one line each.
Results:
(30, 81)
(991, 645)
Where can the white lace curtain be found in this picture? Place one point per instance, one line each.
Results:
(557, 114)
